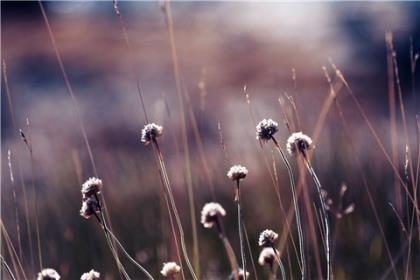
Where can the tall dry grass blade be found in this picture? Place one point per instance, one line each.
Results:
(393, 118)
(12, 180)
(366, 186)
(19, 167)
(17, 264)
(28, 142)
(166, 9)
(131, 55)
(375, 134)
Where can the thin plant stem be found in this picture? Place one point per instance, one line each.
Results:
(7, 268)
(228, 248)
(282, 271)
(241, 239)
(174, 208)
(102, 222)
(249, 250)
(324, 214)
(295, 205)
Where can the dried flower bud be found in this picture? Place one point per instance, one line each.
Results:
(169, 269)
(150, 132)
(266, 129)
(298, 142)
(48, 274)
(237, 172)
(91, 187)
(89, 206)
(211, 211)
(267, 238)
(91, 275)
(267, 256)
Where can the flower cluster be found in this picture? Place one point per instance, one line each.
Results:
(48, 274)
(266, 129)
(298, 142)
(267, 238)
(169, 269)
(150, 132)
(91, 275)
(90, 189)
(237, 172)
(210, 213)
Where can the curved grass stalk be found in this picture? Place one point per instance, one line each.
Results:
(324, 214)
(168, 189)
(7, 267)
(295, 205)
(282, 271)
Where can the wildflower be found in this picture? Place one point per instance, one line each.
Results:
(92, 186)
(169, 269)
(267, 238)
(237, 172)
(91, 275)
(211, 211)
(299, 142)
(150, 132)
(267, 256)
(89, 206)
(240, 275)
(48, 274)
(266, 129)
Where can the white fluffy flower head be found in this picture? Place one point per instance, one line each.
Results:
(298, 142)
(237, 172)
(267, 238)
(48, 274)
(267, 256)
(91, 275)
(266, 129)
(92, 186)
(170, 269)
(210, 213)
(150, 132)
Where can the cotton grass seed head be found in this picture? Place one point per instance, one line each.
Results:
(237, 172)
(298, 142)
(267, 238)
(48, 274)
(210, 213)
(91, 187)
(169, 269)
(89, 206)
(240, 275)
(267, 256)
(266, 129)
(91, 275)
(150, 132)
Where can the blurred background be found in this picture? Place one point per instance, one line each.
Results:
(272, 48)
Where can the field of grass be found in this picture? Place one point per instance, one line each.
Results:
(210, 140)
